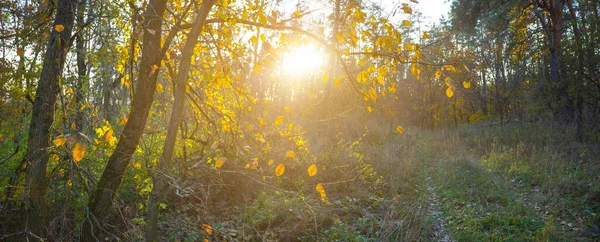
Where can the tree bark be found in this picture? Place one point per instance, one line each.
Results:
(42, 118)
(106, 189)
(81, 66)
(161, 182)
(580, 72)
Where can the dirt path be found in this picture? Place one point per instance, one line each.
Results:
(440, 233)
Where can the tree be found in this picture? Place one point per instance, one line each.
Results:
(102, 197)
(43, 117)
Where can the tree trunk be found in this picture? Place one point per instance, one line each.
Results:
(106, 189)
(161, 182)
(81, 66)
(560, 87)
(42, 118)
(580, 72)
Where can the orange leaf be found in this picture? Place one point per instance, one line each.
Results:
(79, 151)
(400, 129)
(312, 170)
(207, 228)
(220, 161)
(60, 140)
(291, 154)
(279, 170)
(59, 28)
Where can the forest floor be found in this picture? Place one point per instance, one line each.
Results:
(493, 190)
(517, 182)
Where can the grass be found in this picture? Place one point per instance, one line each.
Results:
(520, 182)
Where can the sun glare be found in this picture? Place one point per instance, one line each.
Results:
(303, 60)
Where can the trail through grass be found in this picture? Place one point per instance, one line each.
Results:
(500, 194)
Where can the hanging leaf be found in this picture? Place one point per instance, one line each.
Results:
(449, 92)
(321, 191)
(400, 129)
(108, 135)
(60, 140)
(220, 161)
(312, 170)
(279, 120)
(59, 28)
(279, 170)
(79, 151)
(466, 85)
(291, 154)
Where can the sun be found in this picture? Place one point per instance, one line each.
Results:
(303, 60)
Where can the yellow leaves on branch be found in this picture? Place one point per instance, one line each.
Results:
(312, 170)
(59, 28)
(207, 228)
(279, 170)
(399, 129)
(79, 151)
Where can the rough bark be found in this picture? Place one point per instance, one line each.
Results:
(161, 182)
(42, 118)
(102, 197)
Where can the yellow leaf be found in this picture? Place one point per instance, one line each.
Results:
(261, 121)
(466, 85)
(262, 140)
(286, 109)
(406, 23)
(297, 14)
(279, 170)
(321, 191)
(370, 109)
(69, 91)
(400, 129)
(220, 161)
(270, 162)
(291, 154)
(425, 35)
(159, 87)
(254, 40)
(59, 28)
(449, 92)
(438, 73)
(279, 120)
(154, 68)
(73, 126)
(249, 127)
(337, 81)
(325, 78)
(79, 151)
(60, 140)
(312, 170)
